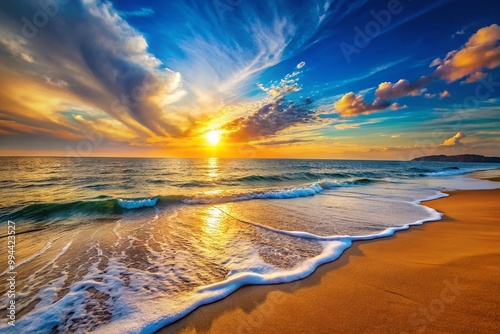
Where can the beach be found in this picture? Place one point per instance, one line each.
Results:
(441, 277)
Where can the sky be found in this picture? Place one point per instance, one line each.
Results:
(332, 79)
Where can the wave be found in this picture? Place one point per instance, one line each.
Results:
(250, 179)
(104, 205)
(283, 193)
(137, 203)
(290, 177)
(61, 210)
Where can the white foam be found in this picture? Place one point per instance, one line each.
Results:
(333, 247)
(285, 193)
(137, 203)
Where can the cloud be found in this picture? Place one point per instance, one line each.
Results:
(474, 77)
(435, 62)
(396, 106)
(351, 105)
(444, 94)
(481, 51)
(273, 115)
(455, 140)
(15, 45)
(56, 82)
(285, 86)
(344, 126)
(143, 12)
(282, 142)
(268, 120)
(459, 32)
(221, 64)
(102, 63)
(301, 64)
(388, 90)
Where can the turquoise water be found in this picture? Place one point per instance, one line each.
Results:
(130, 245)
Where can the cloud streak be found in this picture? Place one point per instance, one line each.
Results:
(92, 53)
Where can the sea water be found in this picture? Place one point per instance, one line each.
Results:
(117, 245)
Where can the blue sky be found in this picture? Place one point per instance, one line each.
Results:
(322, 79)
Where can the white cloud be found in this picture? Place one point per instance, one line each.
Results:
(56, 82)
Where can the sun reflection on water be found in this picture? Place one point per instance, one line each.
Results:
(215, 234)
(213, 168)
(213, 221)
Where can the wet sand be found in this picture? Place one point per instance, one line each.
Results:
(442, 277)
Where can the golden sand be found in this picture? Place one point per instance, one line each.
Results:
(442, 277)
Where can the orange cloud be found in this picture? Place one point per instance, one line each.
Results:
(351, 105)
(474, 77)
(482, 50)
(444, 94)
(455, 140)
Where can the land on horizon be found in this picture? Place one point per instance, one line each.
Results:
(459, 158)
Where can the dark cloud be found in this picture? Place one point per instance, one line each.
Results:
(282, 142)
(388, 90)
(96, 55)
(268, 120)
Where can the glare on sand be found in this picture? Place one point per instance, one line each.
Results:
(213, 137)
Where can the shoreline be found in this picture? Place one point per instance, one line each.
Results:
(337, 296)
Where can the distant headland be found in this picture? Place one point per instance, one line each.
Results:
(458, 158)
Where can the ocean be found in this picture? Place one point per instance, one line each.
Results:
(124, 245)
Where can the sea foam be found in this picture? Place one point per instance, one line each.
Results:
(137, 203)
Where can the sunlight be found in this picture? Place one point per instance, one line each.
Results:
(213, 137)
(212, 221)
(213, 168)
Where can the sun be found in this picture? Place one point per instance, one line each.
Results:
(213, 137)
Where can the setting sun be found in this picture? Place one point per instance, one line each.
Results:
(213, 137)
